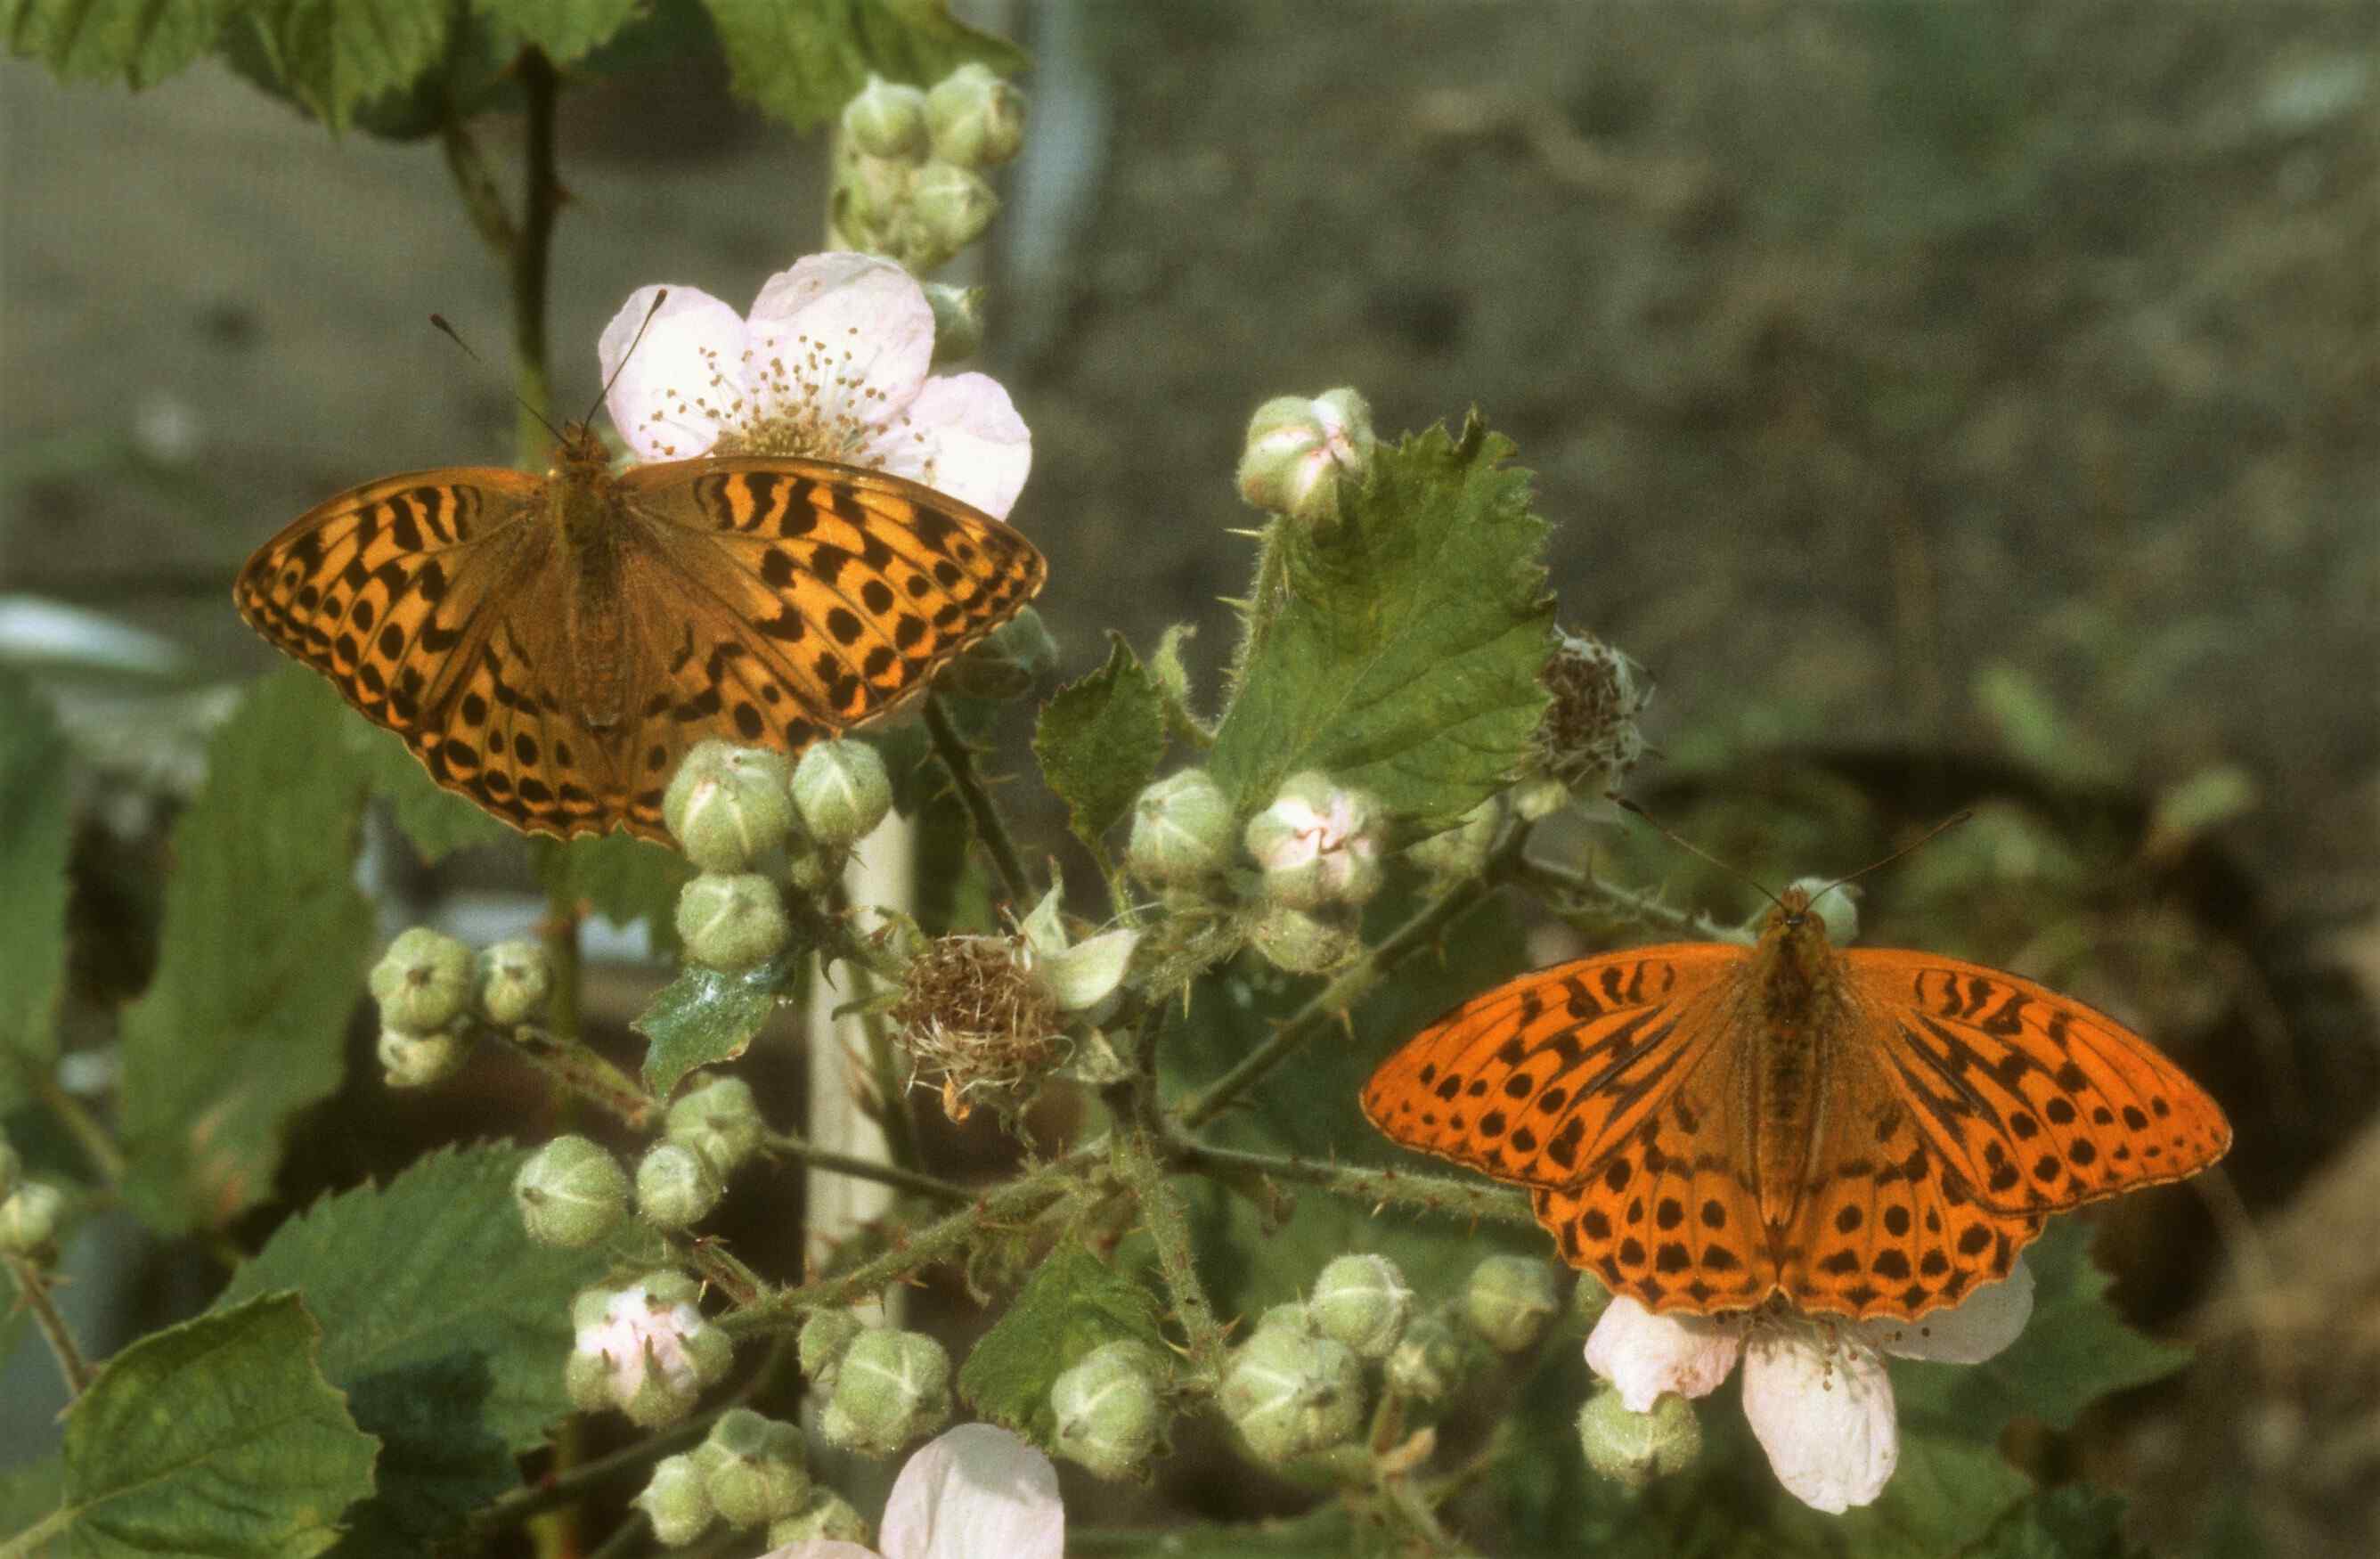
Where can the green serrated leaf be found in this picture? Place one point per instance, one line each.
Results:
(706, 1016)
(138, 42)
(438, 821)
(33, 839)
(565, 30)
(1404, 654)
(1101, 740)
(261, 960)
(1074, 1303)
(32, 1493)
(444, 1324)
(334, 56)
(625, 880)
(2073, 1522)
(216, 1436)
(801, 64)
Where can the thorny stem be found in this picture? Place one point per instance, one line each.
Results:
(900, 1179)
(555, 1050)
(958, 760)
(477, 184)
(33, 1293)
(1332, 1004)
(1566, 886)
(937, 1242)
(1137, 1165)
(1376, 1188)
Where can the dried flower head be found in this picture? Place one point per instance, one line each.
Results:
(1588, 738)
(975, 1018)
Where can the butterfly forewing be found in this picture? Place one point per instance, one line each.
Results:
(555, 674)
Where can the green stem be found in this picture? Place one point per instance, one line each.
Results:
(476, 183)
(958, 759)
(1332, 1003)
(1472, 1199)
(792, 1147)
(1136, 1165)
(107, 1158)
(532, 256)
(938, 1241)
(33, 1293)
(1575, 888)
(581, 1073)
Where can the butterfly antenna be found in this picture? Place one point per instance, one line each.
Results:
(439, 323)
(1693, 849)
(660, 297)
(1953, 820)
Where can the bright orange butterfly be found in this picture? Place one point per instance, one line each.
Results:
(550, 647)
(1866, 1132)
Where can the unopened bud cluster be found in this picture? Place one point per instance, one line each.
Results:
(572, 1192)
(431, 988)
(1302, 456)
(884, 1389)
(1295, 1388)
(645, 1349)
(909, 179)
(1111, 1410)
(748, 1472)
(730, 807)
(1587, 739)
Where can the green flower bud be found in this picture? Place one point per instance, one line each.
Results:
(1318, 843)
(721, 1119)
(1006, 663)
(1435, 1358)
(675, 1502)
(886, 119)
(1509, 1300)
(958, 320)
(842, 791)
(419, 1060)
(677, 1185)
(1290, 1394)
(1301, 453)
(1292, 1317)
(891, 1388)
(1297, 942)
(1633, 1449)
(1362, 1302)
(811, 871)
(1836, 910)
(950, 207)
(1181, 830)
(1462, 850)
(645, 1349)
(732, 923)
(975, 118)
(28, 1217)
(1108, 1410)
(516, 978)
(870, 198)
(827, 1519)
(826, 1336)
(751, 1491)
(572, 1192)
(422, 983)
(727, 805)
(1587, 738)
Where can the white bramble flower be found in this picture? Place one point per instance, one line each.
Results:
(975, 1492)
(1814, 1388)
(830, 364)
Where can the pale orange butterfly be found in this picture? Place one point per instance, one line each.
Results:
(551, 646)
(1866, 1132)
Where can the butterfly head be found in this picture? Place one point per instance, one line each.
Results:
(579, 450)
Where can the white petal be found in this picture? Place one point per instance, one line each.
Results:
(820, 1547)
(670, 399)
(855, 334)
(1823, 1411)
(1081, 978)
(1978, 1327)
(1644, 1354)
(976, 1493)
(1043, 932)
(961, 435)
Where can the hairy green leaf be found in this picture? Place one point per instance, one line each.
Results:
(1074, 1303)
(1404, 652)
(261, 960)
(138, 42)
(443, 1324)
(33, 839)
(801, 64)
(565, 30)
(334, 56)
(1100, 741)
(707, 1016)
(216, 1436)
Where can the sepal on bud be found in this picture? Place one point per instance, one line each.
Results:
(1509, 1300)
(975, 118)
(757, 1471)
(891, 1388)
(1301, 452)
(829, 1518)
(422, 983)
(842, 791)
(826, 1336)
(676, 1501)
(1107, 1410)
(1633, 1449)
(950, 207)
(677, 1185)
(1291, 1394)
(1434, 1358)
(1297, 942)
(572, 1192)
(516, 979)
(1181, 830)
(30, 1216)
(720, 1120)
(886, 119)
(1362, 1301)
(419, 1060)
(732, 922)
(727, 805)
